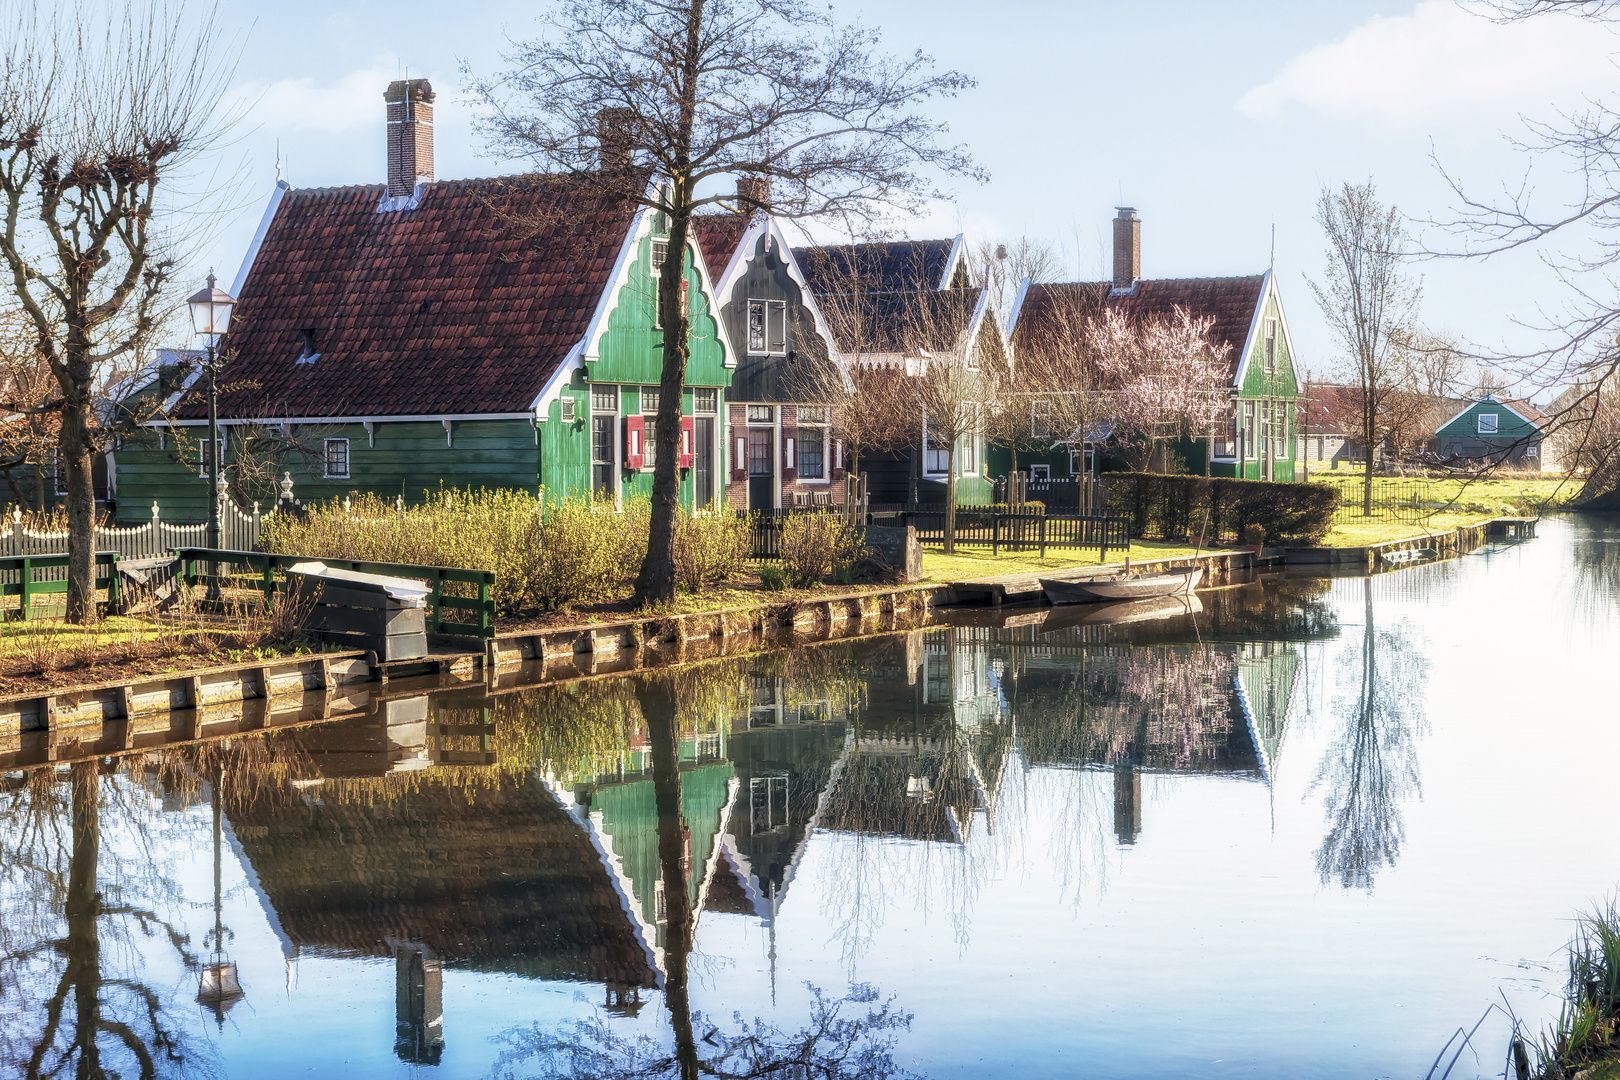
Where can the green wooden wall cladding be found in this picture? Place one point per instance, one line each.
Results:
(1259, 382)
(1509, 424)
(407, 458)
(631, 349)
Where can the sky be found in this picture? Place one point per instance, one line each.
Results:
(1220, 122)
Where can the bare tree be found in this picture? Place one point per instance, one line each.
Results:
(1057, 394)
(98, 111)
(1370, 304)
(1003, 267)
(684, 91)
(28, 432)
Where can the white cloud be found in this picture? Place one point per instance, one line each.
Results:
(352, 104)
(1442, 63)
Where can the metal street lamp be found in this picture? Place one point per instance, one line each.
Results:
(210, 315)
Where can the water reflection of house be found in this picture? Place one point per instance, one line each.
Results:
(618, 814)
(491, 876)
(929, 750)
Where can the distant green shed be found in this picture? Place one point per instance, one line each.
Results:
(1495, 430)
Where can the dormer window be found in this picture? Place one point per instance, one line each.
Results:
(309, 353)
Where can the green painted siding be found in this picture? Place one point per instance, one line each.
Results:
(1510, 426)
(1278, 385)
(408, 457)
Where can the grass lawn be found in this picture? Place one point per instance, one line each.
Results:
(972, 562)
(1453, 502)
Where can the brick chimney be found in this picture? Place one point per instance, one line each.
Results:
(615, 138)
(753, 193)
(1127, 247)
(410, 135)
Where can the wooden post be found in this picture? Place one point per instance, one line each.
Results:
(995, 535)
(27, 590)
(483, 613)
(438, 594)
(1042, 527)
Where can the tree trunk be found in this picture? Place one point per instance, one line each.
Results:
(657, 700)
(74, 458)
(655, 585)
(1367, 432)
(83, 910)
(950, 499)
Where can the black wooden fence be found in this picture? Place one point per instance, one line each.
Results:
(975, 527)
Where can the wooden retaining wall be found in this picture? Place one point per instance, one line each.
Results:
(1449, 543)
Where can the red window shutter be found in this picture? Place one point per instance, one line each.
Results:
(688, 441)
(635, 430)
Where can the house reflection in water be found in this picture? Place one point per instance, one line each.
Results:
(404, 836)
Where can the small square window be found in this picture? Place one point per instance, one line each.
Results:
(337, 459)
(705, 399)
(761, 414)
(604, 398)
(1532, 450)
(1487, 423)
(203, 459)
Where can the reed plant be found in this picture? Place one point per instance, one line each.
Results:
(1586, 1035)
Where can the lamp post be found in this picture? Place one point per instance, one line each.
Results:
(210, 314)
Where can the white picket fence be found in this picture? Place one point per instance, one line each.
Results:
(238, 531)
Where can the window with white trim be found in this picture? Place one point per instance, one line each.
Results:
(767, 327)
(604, 398)
(660, 251)
(1487, 423)
(761, 414)
(203, 459)
(1271, 345)
(812, 449)
(1532, 450)
(649, 427)
(937, 458)
(705, 399)
(337, 459)
(1250, 426)
(1040, 472)
(968, 457)
(1040, 419)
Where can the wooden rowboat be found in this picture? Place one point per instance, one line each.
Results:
(1122, 587)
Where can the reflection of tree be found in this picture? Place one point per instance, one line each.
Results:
(86, 1021)
(833, 1045)
(1371, 766)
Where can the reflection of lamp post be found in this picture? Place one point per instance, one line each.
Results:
(210, 314)
(219, 986)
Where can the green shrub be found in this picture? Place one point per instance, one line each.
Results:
(1172, 507)
(816, 544)
(710, 549)
(772, 577)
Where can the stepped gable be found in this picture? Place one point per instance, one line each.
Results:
(494, 878)
(1229, 301)
(463, 305)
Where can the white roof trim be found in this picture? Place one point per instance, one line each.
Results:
(429, 418)
(252, 255)
(555, 385)
(951, 262)
(765, 224)
(1268, 288)
(608, 302)
(1017, 306)
(1494, 400)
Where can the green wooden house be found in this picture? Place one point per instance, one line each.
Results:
(1256, 437)
(1495, 430)
(487, 333)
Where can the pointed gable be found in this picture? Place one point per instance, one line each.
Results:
(463, 305)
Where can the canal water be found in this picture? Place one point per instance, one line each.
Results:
(1307, 830)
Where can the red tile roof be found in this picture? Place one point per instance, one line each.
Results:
(1230, 302)
(463, 305)
(717, 236)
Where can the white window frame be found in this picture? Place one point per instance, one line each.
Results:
(1040, 472)
(1040, 420)
(826, 449)
(1251, 431)
(326, 460)
(202, 457)
(1271, 345)
(1532, 450)
(752, 420)
(1077, 463)
(1496, 423)
(967, 455)
(656, 256)
(774, 314)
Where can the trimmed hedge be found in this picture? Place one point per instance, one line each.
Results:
(1171, 507)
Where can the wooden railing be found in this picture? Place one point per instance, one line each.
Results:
(475, 615)
(975, 526)
(17, 578)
